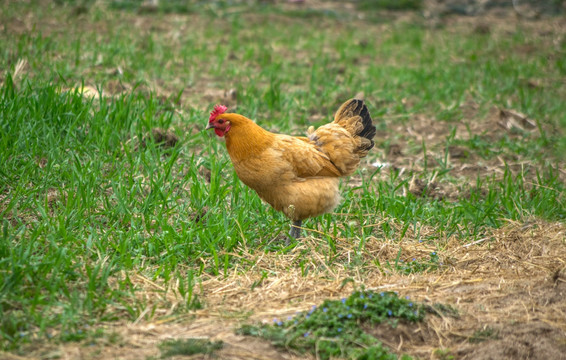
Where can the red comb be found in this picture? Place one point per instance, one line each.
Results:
(218, 109)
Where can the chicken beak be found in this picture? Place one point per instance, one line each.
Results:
(209, 126)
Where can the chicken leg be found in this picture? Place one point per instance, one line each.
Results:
(295, 229)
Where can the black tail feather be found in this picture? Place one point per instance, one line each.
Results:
(354, 108)
(369, 129)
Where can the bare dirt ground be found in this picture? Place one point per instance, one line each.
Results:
(508, 288)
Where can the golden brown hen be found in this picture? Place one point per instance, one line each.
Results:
(298, 176)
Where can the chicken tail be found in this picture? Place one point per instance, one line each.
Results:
(354, 116)
(347, 139)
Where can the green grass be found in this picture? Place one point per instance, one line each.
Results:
(87, 199)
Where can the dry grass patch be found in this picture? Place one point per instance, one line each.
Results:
(502, 297)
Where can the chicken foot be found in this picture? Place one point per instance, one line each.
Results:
(296, 229)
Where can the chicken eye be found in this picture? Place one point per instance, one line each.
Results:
(221, 121)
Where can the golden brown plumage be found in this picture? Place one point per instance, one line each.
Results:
(298, 176)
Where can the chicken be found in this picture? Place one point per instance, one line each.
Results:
(298, 176)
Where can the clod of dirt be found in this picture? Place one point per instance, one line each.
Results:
(394, 150)
(363, 43)
(166, 138)
(419, 187)
(433, 189)
(458, 152)
(198, 214)
(510, 119)
(79, 10)
(232, 94)
(534, 83)
(482, 29)
(115, 87)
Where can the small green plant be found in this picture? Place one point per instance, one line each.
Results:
(444, 354)
(483, 335)
(335, 328)
(187, 347)
(416, 265)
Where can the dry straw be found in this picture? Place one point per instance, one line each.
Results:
(514, 275)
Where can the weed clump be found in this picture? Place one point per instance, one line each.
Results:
(335, 328)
